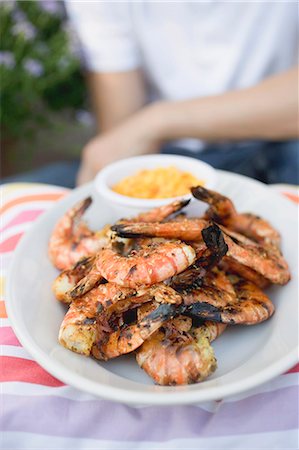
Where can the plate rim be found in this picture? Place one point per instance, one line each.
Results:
(119, 394)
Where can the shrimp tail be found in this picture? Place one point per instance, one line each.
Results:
(214, 240)
(182, 203)
(251, 306)
(221, 208)
(91, 280)
(122, 231)
(83, 206)
(202, 310)
(165, 311)
(200, 193)
(78, 211)
(193, 276)
(67, 279)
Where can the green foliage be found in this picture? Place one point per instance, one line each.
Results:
(39, 64)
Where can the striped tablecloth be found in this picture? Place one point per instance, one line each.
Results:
(40, 412)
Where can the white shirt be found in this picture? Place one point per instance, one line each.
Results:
(189, 49)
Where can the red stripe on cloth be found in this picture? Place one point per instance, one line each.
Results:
(8, 337)
(294, 369)
(19, 369)
(32, 198)
(23, 217)
(10, 244)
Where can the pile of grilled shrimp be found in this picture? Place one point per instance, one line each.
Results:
(164, 285)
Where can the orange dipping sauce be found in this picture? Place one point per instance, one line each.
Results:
(162, 182)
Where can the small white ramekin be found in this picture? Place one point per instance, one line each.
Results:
(125, 206)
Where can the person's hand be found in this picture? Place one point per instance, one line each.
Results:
(136, 136)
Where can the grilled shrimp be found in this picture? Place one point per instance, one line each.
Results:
(130, 337)
(185, 229)
(267, 262)
(222, 211)
(79, 327)
(249, 307)
(178, 353)
(88, 282)
(148, 266)
(215, 249)
(231, 266)
(68, 279)
(123, 245)
(214, 289)
(93, 278)
(72, 240)
(270, 264)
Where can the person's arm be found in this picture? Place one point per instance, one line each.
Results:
(115, 96)
(267, 111)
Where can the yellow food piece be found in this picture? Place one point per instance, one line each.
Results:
(162, 182)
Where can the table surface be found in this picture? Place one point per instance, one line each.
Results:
(40, 412)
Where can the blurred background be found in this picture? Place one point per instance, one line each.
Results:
(45, 113)
(44, 118)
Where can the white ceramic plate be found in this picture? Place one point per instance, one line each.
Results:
(247, 356)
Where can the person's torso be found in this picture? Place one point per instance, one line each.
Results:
(200, 49)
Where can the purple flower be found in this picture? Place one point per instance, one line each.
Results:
(18, 16)
(7, 59)
(85, 118)
(25, 28)
(33, 67)
(51, 7)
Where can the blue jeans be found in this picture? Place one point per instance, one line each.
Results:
(270, 162)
